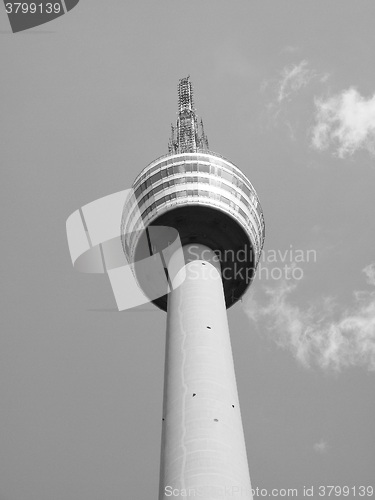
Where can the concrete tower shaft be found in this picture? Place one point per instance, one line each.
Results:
(203, 448)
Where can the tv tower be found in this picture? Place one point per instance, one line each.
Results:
(217, 214)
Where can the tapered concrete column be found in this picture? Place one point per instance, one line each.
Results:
(203, 448)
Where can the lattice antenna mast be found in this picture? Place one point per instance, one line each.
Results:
(187, 136)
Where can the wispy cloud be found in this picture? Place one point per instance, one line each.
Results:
(294, 78)
(319, 335)
(283, 107)
(370, 273)
(345, 121)
(321, 447)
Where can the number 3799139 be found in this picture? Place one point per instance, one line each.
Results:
(32, 8)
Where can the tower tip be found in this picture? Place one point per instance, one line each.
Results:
(187, 136)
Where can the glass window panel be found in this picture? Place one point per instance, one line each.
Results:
(180, 169)
(188, 167)
(158, 188)
(140, 203)
(156, 177)
(246, 190)
(227, 175)
(242, 213)
(152, 170)
(204, 168)
(239, 183)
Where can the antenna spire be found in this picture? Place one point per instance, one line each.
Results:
(187, 136)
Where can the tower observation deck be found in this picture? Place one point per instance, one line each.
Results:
(204, 196)
(216, 212)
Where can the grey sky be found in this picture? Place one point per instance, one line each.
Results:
(87, 102)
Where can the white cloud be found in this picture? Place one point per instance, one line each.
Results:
(345, 121)
(370, 273)
(321, 447)
(314, 335)
(293, 78)
(283, 106)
